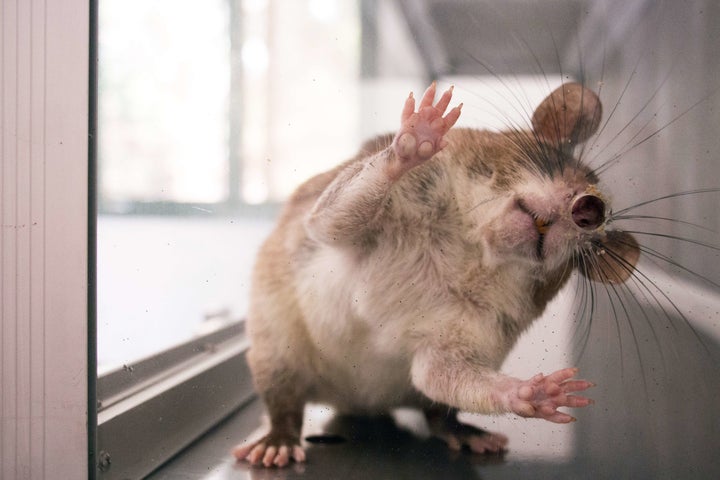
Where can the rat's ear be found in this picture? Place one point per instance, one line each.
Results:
(568, 116)
(614, 261)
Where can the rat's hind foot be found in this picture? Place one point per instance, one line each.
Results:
(274, 449)
(421, 133)
(541, 396)
(456, 435)
(282, 444)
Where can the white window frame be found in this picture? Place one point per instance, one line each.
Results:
(44, 88)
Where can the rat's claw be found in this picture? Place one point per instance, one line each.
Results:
(560, 417)
(428, 96)
(444, 101)
(453, 116)
(283, 457)
(562, 375)
(241, 451)
(578, 401)
(408, 108)
(298, 454)
(256, 454)
(269, 456)
(576, 385)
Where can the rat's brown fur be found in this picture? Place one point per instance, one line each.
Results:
(376, 292)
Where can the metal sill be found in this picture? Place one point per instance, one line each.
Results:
(150, 411)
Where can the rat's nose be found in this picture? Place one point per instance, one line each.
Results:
(588, 212)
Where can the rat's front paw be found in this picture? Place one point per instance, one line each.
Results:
(541, 396)
(421, 133)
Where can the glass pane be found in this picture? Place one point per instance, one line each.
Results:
(164, 79)
(210, 113)
(163, 280)
(213, 111)
(163, 140)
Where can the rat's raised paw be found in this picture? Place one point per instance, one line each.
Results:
(421, 133)
(541, 396)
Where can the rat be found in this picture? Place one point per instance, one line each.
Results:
(404, 276)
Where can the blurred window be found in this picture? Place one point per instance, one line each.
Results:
(210, 113)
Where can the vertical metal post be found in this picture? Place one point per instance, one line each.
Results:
(369, 48)
(235, 109)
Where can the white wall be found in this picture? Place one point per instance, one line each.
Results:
(43, 242)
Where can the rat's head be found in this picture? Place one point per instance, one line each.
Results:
(548, 210)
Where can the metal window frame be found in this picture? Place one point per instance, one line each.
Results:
(151, 410)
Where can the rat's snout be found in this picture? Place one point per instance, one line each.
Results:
(588, 211)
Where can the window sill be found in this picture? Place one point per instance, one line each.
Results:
(150, 411)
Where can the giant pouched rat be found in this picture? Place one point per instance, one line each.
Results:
(404, 276)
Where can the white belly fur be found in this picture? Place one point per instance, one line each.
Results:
(364, 354)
